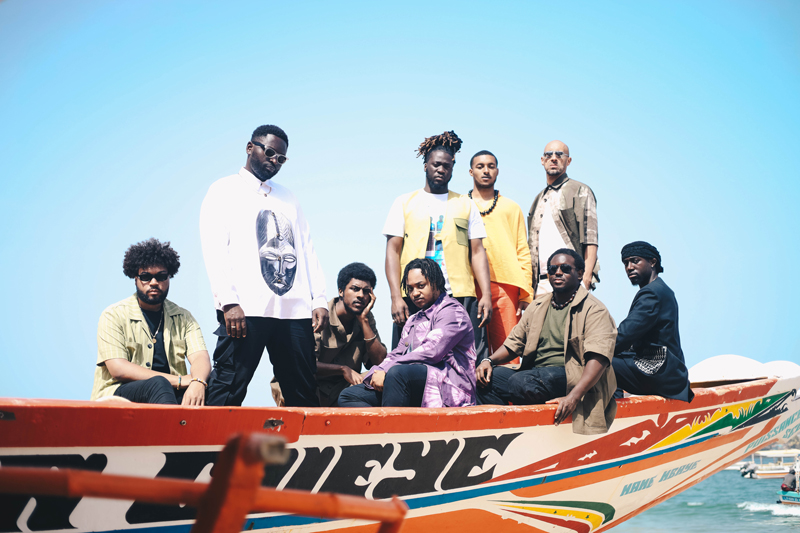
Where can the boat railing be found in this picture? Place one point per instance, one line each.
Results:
(223, 504)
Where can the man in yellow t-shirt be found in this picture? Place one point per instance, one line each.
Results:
(506, 246)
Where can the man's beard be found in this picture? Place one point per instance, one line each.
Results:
(263, 173)
(553, 172)
(436, 188)
(155, 300)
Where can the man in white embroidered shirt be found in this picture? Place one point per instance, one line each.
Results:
(269, 289)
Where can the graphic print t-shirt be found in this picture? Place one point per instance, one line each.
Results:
(437, 209)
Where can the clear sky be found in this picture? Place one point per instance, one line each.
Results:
(115, 117)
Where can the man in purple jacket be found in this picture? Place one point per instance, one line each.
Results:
(434, 362)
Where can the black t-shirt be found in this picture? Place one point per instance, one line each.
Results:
(154, 320)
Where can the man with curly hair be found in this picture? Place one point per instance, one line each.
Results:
(445, 226)
(143, 340)
(268, 285)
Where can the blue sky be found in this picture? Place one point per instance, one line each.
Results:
(684, 117)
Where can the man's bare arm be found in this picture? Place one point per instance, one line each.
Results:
(480, 266)
(590, 258)
(394, 246)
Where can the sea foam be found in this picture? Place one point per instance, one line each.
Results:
(775, 508)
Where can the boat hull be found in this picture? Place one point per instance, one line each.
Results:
(788, 498)
(466, 469)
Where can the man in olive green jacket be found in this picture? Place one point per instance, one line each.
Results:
(566, 340)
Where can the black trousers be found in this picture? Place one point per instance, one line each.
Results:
(402, 387)
(290, 344)
(524, 387)
(154, 390)
(470, 303)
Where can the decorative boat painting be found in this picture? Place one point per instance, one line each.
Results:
(467, 469)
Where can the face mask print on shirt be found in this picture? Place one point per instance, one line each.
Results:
(276, 251)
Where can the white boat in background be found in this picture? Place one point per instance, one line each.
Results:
(777, 464)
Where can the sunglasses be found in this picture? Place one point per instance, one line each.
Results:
(147, 276)
(566, 269)
(270, 153)
(559, 155)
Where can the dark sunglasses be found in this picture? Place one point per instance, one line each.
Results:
(147, 276)
(560, 155)
(270, 153)
(566, 269)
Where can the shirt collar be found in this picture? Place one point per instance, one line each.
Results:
(426, 313)
(558, 183)
(253, 183)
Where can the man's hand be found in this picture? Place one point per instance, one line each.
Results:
(235, 322)
(485, 309)
(367, 308)
(351, 376)
(377, 380)
(195, 393)
(587, 281)
(399, 311)
(521, 307)
(483, 373)
(566, 406)
(319, 319)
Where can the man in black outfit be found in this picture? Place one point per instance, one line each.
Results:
(648, 358)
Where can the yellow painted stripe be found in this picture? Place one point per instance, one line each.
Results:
(593, 517)
(738, 410)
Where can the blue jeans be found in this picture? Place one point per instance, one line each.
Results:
(524, 387)
(402, 387)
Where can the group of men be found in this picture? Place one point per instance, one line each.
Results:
(486, 307)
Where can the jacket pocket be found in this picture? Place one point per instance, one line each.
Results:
(134, 351)
(576, 343)
(462, 231)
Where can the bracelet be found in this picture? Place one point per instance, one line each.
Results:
(371, 338)
(179, 384)
(487, 359)
(199, 381)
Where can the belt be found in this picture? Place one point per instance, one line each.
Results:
(542, 276)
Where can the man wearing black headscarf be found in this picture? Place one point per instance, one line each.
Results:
(648, 358)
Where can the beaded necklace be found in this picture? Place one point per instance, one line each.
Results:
(558, 307)
(484, 213)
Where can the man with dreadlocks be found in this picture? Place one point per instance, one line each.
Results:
(648, 358)
(268, 286)
(445, 226)
(433, 365)
(143, 340)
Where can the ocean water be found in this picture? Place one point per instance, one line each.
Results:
(724, 502)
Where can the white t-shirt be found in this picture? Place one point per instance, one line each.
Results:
(258, 250)
(437, 210)
(550, 238)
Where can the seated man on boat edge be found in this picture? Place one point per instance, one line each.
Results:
(576, 376)
(143, 340)
(432, 365)
(349, 340)
(648, 358)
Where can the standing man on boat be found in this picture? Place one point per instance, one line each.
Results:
(268, 286)
(143, 340)
(648, 358)
(566, 341)
(506, 247)
(351, 338)
(563, 215)
(445, 226)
